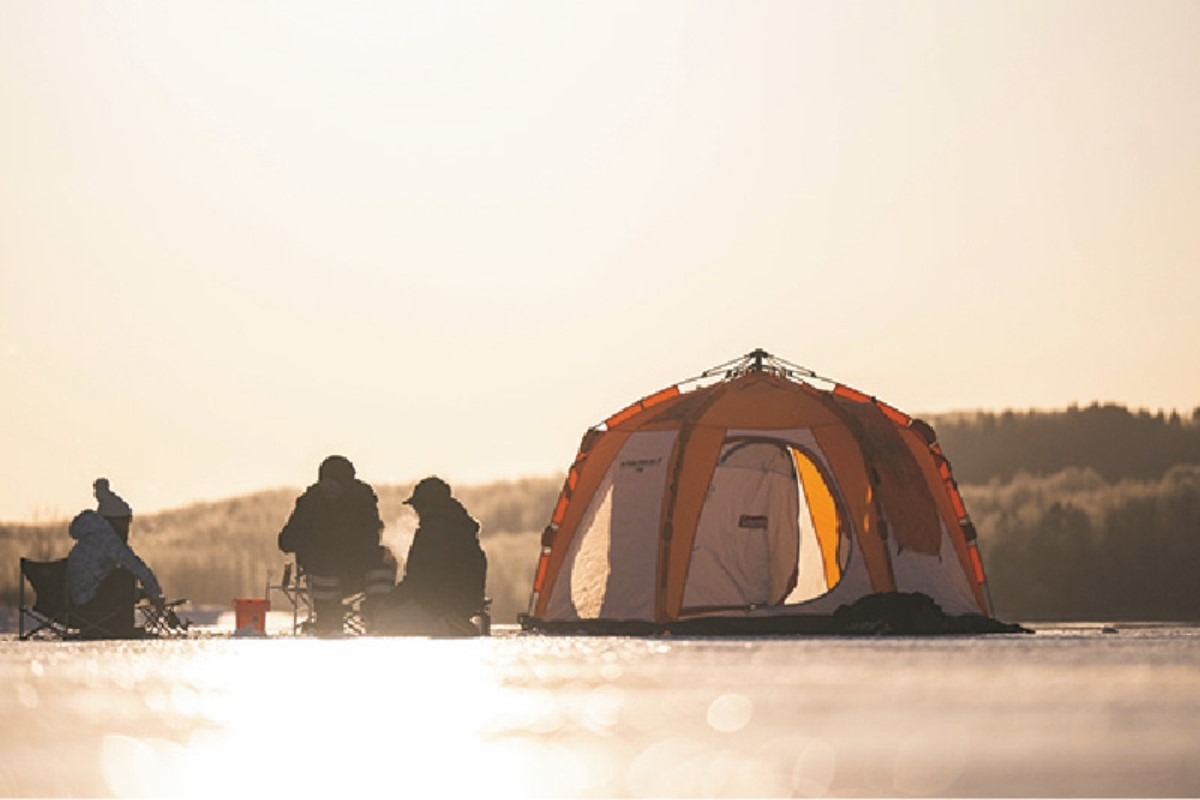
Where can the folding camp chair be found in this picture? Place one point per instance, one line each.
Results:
(295, 589)
(52, 610)
(55, 616)
(296, 586)
(163, 622)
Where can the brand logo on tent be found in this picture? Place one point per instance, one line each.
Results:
(640, 464)
(753, 521)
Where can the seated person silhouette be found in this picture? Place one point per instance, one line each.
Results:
(334, 531)
(98, 569)
(118, 513)
(446, 570)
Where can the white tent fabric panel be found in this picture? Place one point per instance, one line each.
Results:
(746, 540)
(589, 556)
(941, 576)
(854, 584)
(612, 562)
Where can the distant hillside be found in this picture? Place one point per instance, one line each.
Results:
(212, 552)
(1073, 546)
(1118, 444)
(1083, 514)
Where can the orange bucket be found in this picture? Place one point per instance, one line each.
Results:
(250, 614)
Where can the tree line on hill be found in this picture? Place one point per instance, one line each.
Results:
(1115, 442)
(1073, 546)
(1083, 514)
(212, 552)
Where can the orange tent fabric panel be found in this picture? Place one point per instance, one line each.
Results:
(767, 402)
(977, 563)
(632, 410)
(695, 473)
(946, 508)
(539, 578)
(824, 515)
(903, 490)
(844, 455)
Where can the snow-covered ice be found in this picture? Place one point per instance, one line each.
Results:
(1068, 711)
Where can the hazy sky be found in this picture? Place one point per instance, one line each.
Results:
(448, 237)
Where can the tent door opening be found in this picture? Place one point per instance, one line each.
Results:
(768, 533)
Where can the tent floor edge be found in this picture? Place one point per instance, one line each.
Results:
(589, 627)
(878, 614)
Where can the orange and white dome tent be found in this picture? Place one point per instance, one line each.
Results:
(756, 491)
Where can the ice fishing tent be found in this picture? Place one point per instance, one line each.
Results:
(757, 490)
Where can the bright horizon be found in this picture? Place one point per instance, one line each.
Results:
(447, 238)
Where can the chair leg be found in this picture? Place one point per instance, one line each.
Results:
(21, 605)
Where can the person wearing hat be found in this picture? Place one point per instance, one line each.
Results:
(334, 531)
(446, 570)
(113, 508)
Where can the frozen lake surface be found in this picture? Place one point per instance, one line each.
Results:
(1065, 712)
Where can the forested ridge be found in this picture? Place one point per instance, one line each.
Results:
(1113, 441)
(1088, 513)
(1083, 514)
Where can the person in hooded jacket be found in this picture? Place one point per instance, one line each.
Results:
(100, 568)
(334, 531)
(446, 570)
(119, 514)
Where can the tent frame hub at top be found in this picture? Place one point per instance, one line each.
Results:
(759, 360)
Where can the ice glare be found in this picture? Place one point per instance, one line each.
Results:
(814, 768)
(922, 771)
(523, 716)
(670, 767)
(27, 696)
(730, 713)
(603, 709)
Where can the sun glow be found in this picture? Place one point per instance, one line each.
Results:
(345, 719)
(371, 717)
